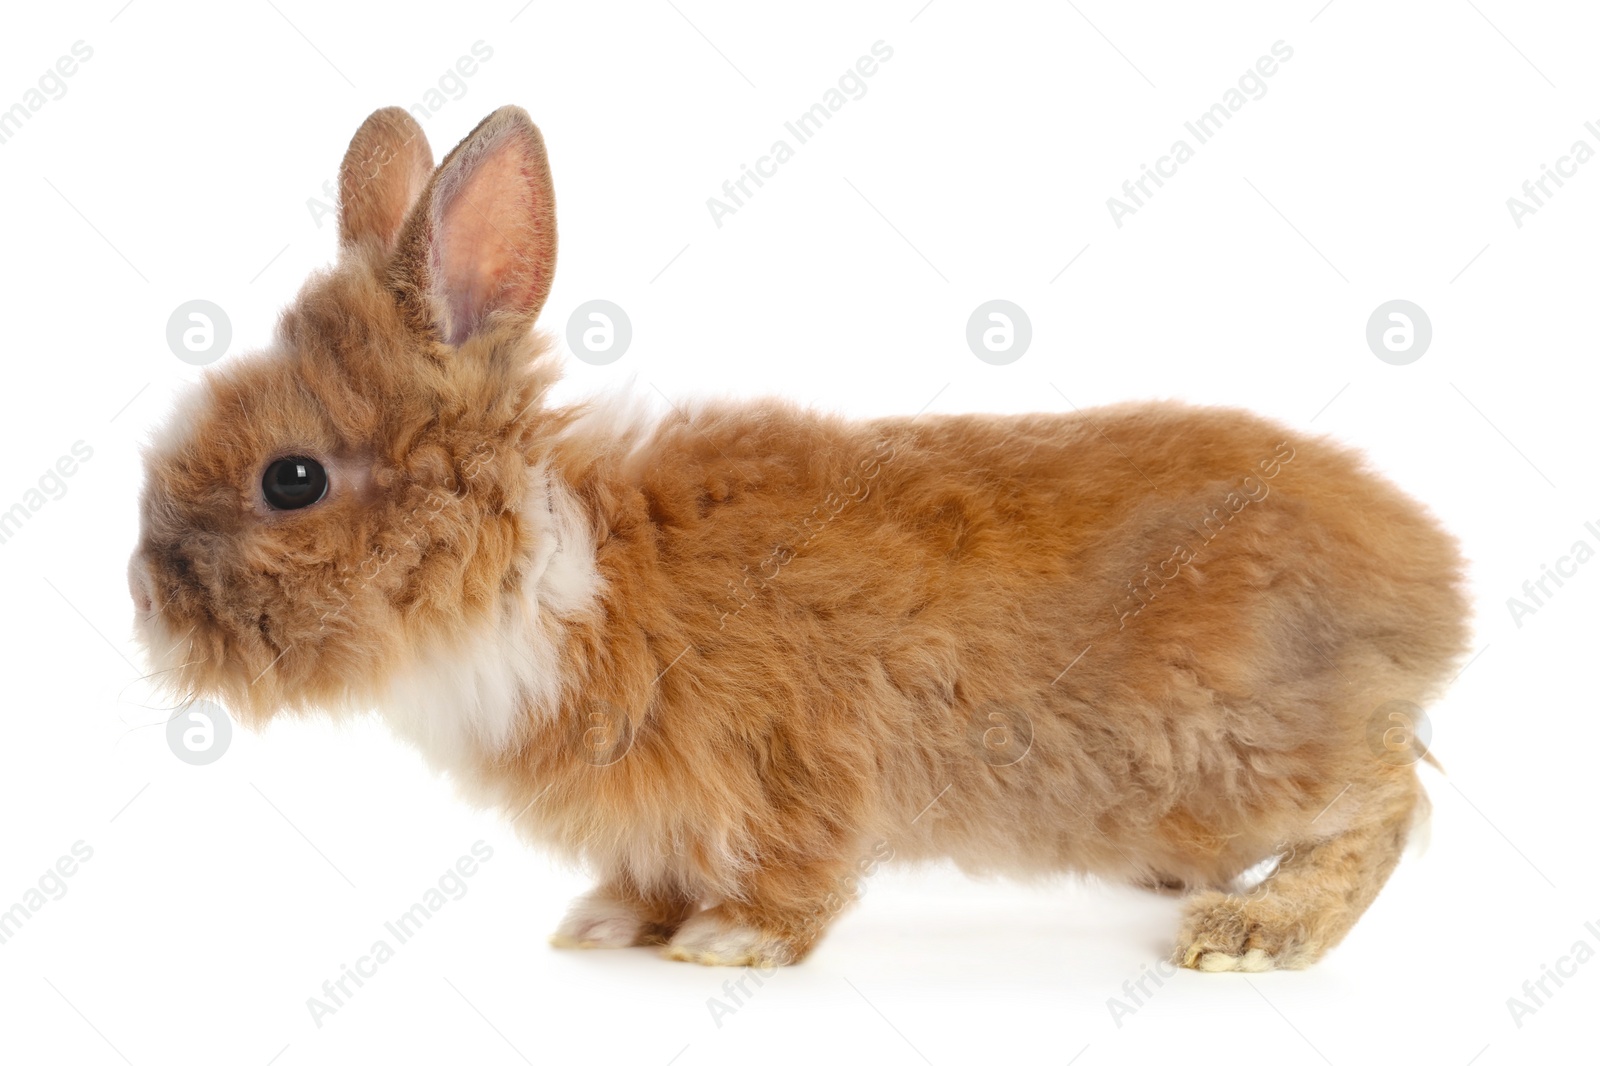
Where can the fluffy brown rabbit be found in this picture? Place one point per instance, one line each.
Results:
(735, 660)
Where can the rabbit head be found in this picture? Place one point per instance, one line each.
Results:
(317, 510)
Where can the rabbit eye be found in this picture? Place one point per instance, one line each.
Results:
(292, 483)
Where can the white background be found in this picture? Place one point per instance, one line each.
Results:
(178, 165)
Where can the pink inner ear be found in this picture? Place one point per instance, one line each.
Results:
(491, 252)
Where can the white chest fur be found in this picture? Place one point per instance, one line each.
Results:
(464, 700)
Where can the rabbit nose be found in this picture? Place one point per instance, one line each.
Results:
(139, 586)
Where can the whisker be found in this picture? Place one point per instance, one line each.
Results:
(158, 673)
(187, 701)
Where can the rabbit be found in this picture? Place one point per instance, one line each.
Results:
(737, 659)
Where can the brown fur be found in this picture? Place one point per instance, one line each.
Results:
(1146, 642)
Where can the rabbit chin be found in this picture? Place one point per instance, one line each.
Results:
(466, 699)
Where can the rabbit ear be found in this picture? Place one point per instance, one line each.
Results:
(480, 246)
(385, 169)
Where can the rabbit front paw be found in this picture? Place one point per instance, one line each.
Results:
(713, 939)
(599, 920)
